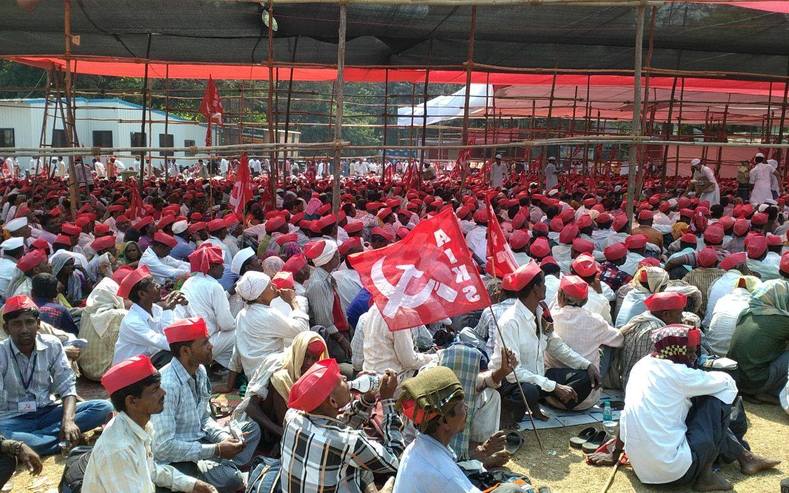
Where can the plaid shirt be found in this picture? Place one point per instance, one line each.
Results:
(56, 315)
(185, 430)
(324, 455)
(611, 275)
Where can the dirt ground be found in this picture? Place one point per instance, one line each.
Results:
(563, 469)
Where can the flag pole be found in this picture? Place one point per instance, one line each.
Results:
(512, 371)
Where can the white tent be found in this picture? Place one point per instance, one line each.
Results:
(445, 108)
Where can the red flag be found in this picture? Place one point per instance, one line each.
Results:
(427, 276)
(211, 108)
(501, 260)
(242, 187)
(135, 204)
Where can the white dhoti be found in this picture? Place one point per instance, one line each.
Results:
(487, 415)
(223, 342)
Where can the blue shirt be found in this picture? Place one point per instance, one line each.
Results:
(427, 466)
(359, 306)
(182, 250)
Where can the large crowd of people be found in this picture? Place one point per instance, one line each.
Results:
(167, 297)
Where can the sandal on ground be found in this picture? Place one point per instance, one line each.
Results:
(580, 439)
(513, 443)
(594, 442)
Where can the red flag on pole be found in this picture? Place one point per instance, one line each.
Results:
(135, 204)
(501, 260)
(242, 187)
(211, 108)
(427, 276)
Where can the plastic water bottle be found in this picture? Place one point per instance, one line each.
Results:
(365, 383)
(608, 419)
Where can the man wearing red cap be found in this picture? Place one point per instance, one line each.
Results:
(476, 239)
(756, 247)
(320, 452)
(141, 331)
(523, 327)
(217, 230)
(645, 218)
(600, 295)
(610, 272)
(157, 258)
(123, 454)
(34, 370)
(187, 435)
(32, 263)
(675, 423)
(704, 275)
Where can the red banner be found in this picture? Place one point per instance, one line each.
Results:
(501, 260)
(427, 276)
(211, 108)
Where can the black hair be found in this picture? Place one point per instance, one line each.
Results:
(45, 286)
(131, 234)
(136, 389)
(16, 252)
(175, 347)
(134, 294)
(549, 269)
(716, 211)
(538, 280)
(14, 315)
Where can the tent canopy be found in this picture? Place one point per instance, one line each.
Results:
(704, 37)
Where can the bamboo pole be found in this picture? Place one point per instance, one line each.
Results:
(386, 123)
(424, 105)
(167, 120)
(339, 98)
(487, 105)
(273, 178)
(667, 131)
(645, 122)
(144, 109)
(469, 67)
(679, 126)
(766, 130)
(781, 123)
(636, 130)
(68, 124)
(723, 129)
(290, 95)
(544, 152)
(587, 115)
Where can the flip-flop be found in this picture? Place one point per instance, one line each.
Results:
(514, 442)
(580, 439)
(593, 443)
(617, 405)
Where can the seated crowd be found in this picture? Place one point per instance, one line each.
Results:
(173, 300)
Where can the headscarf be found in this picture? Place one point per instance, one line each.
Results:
(679, 229)
(283, 379)
(122, 259)
(74, 282)
(272, 265)
(251, 285)
(633, 302)
(428, 395)
(672, 342)
(465, 362)
(771, 298)
(103, 306)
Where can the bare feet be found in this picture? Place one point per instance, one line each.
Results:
(710, 481)
(752, 463)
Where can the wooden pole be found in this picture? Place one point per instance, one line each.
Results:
(645, 122)
(144, 110)
(636, 127)
(487, 105)
(723, 129)
(781, 123)
(44, 159)
(587, 115)
(339, 99)
(667, 131)
(424, 105)
(544, 153)
(469, 67)
(386, 123)
(273, 179)
(167, 156)
(679, 127)
(411, 130)
(68, 123)
(290, 93)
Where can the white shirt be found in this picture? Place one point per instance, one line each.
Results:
(123, 456)
(652, 425)
(208, 299)
(519, 329)
(428, 466)
(477, 240)
(584, 333)
(761, 178)
(562, 253)
(262, 330)
(165, 268)
(498, 172)
(7, 271)
(720, 288)
(142, 332)
(724, 319)
(631, 263)
(384, 349)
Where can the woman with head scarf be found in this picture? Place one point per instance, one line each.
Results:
(760, 341)
(269, 388)
(648, 280)
(100, 324)
(129, 254)
(74, 282)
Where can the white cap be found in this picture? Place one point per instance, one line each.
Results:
(695, 162)
(498, 156)
(16, 224)
(759, 154)
(551, 158)
(238, 260)
(12, 244)
(179, 227)
(252, 284)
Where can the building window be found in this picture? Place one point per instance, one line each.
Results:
(138, 139)
(59, 138)
(166, 140)
(102, 138)
(189, 143)
(7, 137)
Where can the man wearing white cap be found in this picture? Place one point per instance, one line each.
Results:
(706, 184)
(260, 329)
(498, 172)
(19, 228)
(761, 177)
(551, 174)
(183, 247)
(12, 248)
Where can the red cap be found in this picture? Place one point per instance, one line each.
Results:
(774, 240)
(556, 224)
(203, 258)
(659, 302)
(100, 229)
(317, 347)
(707, 257)
(70, 229)
(287, 238)
(324, 209)
(164, 239)
(619, 222)
(186, 330)
(384, 213)
(327, 221)
(349, 245)
(585, 265)
(194, 228)
(62, 239)
(590, 202)
(353, 227)
(283, 280)
(103, 243)
(216, 225)
(688, 238)
(784, 266)
(726, 222)
(756, 245)
(385, 233)
(481, 216)
(274, 224)
(315, 386)
(165, 221)
(635, 241)
(548, 261)
(121, 272)
(40, 243)
(31, 259)
(18, 303)
(127, 372)
(568, 234)
(581, 245)
(295, 263)
(146, 221)
(230, 220)
(733, 261)
(759, 219)
(741, 227)
(574, 287)
(519, 239)
(131, 280)
(615, 251)
(296, 218)
(713, 235)
(522, 276)
(649, 261)
(603, 218)
(585, 221)
(540, 247)
(645, 215)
